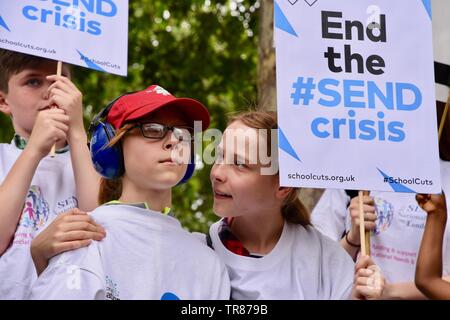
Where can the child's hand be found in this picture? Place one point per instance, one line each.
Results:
(370, 217)
(66, 96)
(69, 231)
(368, 282)
(51, 126)
(432, 203)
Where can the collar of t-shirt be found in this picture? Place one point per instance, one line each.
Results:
(231, 242)
(142, 205)
(21, 143)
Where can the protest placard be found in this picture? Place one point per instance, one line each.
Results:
(89, 33)
(356, 95)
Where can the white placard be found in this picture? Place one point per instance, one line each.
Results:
(89, 33)
(356, 96)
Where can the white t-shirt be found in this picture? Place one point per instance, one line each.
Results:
(329, 216)
(145, 255)
(304, 265)
(52, 191)
(396, 241)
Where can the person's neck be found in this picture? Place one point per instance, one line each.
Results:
(25, 135)
(259, 233)
(157, 200)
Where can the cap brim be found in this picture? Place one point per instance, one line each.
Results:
(191, 109)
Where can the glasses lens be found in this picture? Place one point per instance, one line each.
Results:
(153, 130)
(184, 134)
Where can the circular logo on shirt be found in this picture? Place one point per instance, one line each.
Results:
(36, 210)
(385, 214)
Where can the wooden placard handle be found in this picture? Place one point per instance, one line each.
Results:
(363, 234)
(58, 72)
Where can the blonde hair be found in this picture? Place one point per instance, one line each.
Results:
(111, 189)
(292, 209)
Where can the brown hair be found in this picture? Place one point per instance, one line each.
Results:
(12, 62)
(292, 208)
(111, 189)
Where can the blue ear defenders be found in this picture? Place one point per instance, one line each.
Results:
(108, 161)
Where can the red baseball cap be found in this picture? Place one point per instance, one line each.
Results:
(141, 103)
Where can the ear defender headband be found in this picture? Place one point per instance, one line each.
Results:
(108, 161)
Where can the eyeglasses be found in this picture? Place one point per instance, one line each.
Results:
(153, 130)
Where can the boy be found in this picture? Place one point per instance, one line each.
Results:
(35, 188)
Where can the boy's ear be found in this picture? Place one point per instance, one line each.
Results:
(4, 106)
(283, 192)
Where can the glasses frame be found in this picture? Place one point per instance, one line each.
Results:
(166, 128)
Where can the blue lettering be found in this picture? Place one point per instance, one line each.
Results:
(397, 135)
(349, 93)
(368, 132)
(70, 22)
(400, 87)
(26, 12)
(381, 129)
(387, 100)
(337, 123)
(329, 92)
(62, 3)
(88, 4)
(44, 14)
(112, 8)
(94, 28)
(315, 127)
(352, 125)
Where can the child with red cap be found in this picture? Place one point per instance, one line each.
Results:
(140, 145)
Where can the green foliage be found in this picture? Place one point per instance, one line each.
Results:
(203, 49)
(6, 130)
